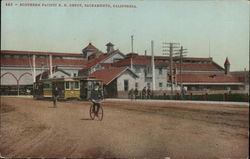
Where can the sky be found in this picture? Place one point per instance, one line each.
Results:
(211, 27)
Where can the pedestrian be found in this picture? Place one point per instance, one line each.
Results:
(55, 96)
(148, 93)
(136, 92)
(131, 94)
(144, 93)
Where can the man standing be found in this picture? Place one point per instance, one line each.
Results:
(55, 96)
(148, 93)
(144, 93)
(96, 97)
(136, 92)
(131, 94)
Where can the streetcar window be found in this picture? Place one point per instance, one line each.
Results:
(67, 85)
(76, 85)
(47, 85)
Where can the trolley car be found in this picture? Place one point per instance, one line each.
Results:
(69, 88)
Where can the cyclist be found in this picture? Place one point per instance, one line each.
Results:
(96, 97)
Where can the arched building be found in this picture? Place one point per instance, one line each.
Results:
(19, 69)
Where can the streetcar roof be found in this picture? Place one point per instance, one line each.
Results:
(79, 78)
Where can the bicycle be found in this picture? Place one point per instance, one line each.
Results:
(92, 113)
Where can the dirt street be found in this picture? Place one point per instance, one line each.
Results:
(33, 128)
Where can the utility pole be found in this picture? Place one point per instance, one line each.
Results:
(132, 43)
(34, 68)
(171, 49)
(50, 66)
(209, 49)
(153, 65)
(181, 54)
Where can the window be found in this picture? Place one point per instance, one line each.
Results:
(148, 84)
(160, 84)
(24, 56)
(160, 71)
(75, 85)
(137, 69)
(168, 85)
(47, 85)
(41, 56)
(7, 55)
(57, 57)
(75, 74)
(16, 56)
(149, 69)
(116, 59)
(126, 85)
(67, 85)
(136, 84)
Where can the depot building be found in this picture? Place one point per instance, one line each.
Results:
(119, 71)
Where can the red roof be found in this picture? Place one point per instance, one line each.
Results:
(12, 52)
(146, 60)
(11, 61)
(197, 67)
(106, 64)
(108, 75)
(184, 58)
(208, 78)
(137, 60)
(90, 47)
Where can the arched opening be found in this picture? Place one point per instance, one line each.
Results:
(25, 88)
(8, 88)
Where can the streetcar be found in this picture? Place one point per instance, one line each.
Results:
(68, 88)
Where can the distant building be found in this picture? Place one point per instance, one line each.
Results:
(118, 71)
(117, 81)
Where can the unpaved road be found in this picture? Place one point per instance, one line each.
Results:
(32, 128)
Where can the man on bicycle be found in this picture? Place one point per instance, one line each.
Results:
(96, 97)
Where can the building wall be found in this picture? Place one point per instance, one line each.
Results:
(112, 58)
(27, 79)
(17, 72)
(125, 76)
(144, 81)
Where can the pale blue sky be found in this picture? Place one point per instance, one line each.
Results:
(192, 23)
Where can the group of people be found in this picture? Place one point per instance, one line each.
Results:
(135, 94)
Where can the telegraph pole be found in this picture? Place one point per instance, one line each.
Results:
(132, 43)
(181, 54)
(171, 49)
(153, 65)
(171, 67)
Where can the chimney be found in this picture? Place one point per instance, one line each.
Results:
(227, 66)
(110, 47)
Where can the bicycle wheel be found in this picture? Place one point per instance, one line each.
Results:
(100, 114)
(91, 112)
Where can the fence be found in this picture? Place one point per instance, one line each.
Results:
(237, 97)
